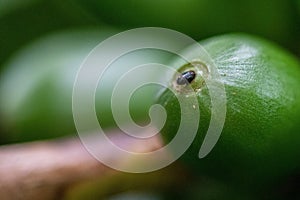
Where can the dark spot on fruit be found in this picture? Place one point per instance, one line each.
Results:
(186, 77)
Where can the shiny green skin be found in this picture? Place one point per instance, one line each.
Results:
(259, 144)
(36, 87)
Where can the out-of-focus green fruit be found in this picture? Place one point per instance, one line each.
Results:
(259, 144)
(36, 89)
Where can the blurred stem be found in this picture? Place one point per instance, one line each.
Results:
(63, 169)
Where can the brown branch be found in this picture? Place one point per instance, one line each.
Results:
(44, 170)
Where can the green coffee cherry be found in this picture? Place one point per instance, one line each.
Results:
(259, 144)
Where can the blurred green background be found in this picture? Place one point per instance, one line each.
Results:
(42, 44)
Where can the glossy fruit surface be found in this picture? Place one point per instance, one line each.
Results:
(259, 143)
